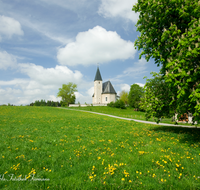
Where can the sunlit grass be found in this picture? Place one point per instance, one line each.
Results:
(127, 113)
(76, 150)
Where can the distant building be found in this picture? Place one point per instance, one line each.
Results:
(104, 93)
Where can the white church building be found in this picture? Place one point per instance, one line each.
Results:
(104, 93)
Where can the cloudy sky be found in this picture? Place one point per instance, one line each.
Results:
(47, 43)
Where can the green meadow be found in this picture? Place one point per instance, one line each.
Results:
(53, 148)
(127, 113)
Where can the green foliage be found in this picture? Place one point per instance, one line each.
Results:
(157, 99)
(120, 104)
(44, 103)
(135, 94)
(117, 104)
(67, 93)
(111, 104)
(170, 34)
(124, 97)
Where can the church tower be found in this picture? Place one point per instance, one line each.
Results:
(97, 88)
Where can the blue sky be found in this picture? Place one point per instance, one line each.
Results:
(47, 43)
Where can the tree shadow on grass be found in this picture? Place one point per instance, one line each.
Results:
(189, 135)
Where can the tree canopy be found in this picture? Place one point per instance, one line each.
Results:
(124, 96)
(170, 34)
(157, 98)
(135, 94)
(67, 93)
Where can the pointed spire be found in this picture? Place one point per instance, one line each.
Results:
(98, 75)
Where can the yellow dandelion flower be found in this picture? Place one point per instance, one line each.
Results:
(123, 179)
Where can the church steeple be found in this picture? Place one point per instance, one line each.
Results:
(98, 75)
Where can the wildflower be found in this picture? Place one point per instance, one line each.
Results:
(123, 179)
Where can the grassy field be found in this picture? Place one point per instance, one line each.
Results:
(53, 148)
(128, 113)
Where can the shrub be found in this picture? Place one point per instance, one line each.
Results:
(117, 104)
(111, 104)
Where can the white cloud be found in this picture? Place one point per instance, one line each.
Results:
(125, 87)
(140, 84)
(42, 83)
(95, 46)
(82, 99)
(7, 95)
(54, 98)
(118, 8)
(50, 76)
(45, 29)
(90, 91)
(7, 60)
(137, 69)
(9, 27)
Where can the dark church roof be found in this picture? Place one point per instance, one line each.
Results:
(107, 88)
(98, 75)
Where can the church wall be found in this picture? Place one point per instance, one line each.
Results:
(113, 98)
(110, 98)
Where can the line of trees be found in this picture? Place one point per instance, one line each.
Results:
(44, 103)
